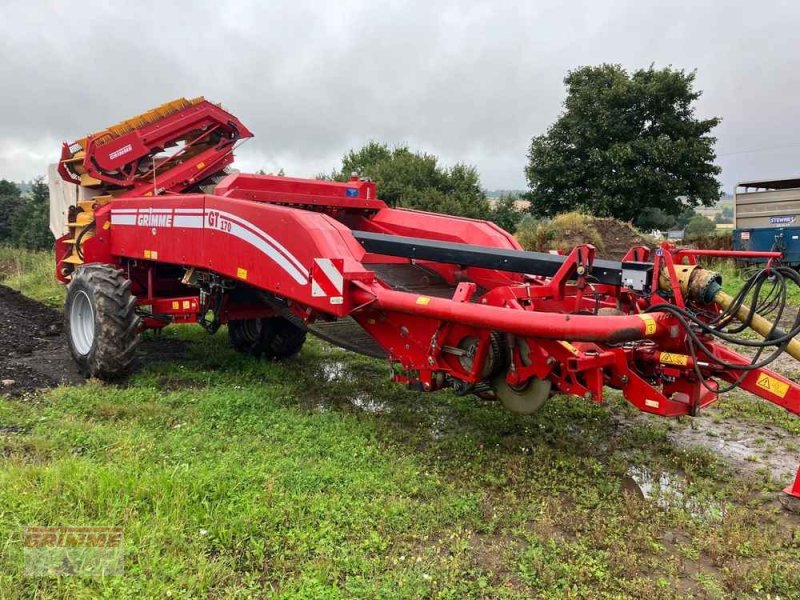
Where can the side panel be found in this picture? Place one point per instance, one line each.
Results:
(446, 228)
(270, 247)
(767, 209)
(766, 239)
(165, 230)
(433, 226)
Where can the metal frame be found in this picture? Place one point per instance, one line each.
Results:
(310, 250)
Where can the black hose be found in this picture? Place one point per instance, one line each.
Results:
(773, 302)
(90, 227)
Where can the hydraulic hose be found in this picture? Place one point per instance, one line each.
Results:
(704, 286)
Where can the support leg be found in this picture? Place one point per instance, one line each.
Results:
(794, 489)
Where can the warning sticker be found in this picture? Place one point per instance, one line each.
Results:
(423, 300)
(649, 324)
(779, 388)
(669, 358)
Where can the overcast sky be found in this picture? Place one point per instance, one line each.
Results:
(468, 81)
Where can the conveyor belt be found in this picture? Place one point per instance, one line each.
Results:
(348, 334)
(503, 259)
(407, 277)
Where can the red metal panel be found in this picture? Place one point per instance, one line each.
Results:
(267, 246)
(165, 229)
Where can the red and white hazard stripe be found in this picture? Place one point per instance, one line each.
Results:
(327, 279)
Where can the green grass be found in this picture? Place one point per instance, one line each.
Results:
(733, 279)
(33, 273)
(741, 405)
(234, 477)
(318, 478)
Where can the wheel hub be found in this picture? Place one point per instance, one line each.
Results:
(82, 326)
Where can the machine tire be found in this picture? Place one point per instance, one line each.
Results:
(101, 322)
(274, 338)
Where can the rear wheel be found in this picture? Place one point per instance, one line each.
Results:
(274, 338)
(101, 321)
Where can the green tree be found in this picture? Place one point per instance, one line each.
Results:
(416, 180)
(725, 215)
(624, 142)
(10, 201)
(30, 221)
(655, 218)
(699, 226)
(505, 213)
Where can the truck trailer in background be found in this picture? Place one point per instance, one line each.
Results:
(766, 217)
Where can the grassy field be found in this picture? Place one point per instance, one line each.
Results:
(734, 279)
(318, 478)
(31, 272)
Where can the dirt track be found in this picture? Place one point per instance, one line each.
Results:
(34, 352)
(34, 348)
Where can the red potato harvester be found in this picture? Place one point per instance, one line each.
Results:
(171, 237)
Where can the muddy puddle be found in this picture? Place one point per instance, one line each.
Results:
(750, 447)
(334, 371)
(668, 491)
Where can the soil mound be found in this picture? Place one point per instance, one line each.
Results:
(35, 353)
(612, 238)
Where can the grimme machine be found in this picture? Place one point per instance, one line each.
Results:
(171, 236)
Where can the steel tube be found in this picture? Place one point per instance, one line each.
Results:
(554, 326)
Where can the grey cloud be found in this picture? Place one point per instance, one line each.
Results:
(469, 81)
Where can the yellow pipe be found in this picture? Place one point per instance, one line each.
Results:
(702, 285)
(759, 324)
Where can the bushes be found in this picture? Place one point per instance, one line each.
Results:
(560, 233)
(717, 240)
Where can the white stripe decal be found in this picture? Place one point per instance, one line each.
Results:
(190, 222)
(332, 273)
(264, 236)
(197, 218)
(316, 291)
(251, 238)
(123, 219)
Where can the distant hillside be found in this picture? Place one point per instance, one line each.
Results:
(498, 193)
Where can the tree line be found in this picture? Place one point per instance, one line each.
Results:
(626, 145)
(24, 218)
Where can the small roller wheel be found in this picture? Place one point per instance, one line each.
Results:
(101, 321)
(273, 338)
(524, 399)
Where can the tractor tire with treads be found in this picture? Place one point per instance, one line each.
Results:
(274, 338)
(101, 321)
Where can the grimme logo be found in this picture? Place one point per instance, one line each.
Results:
(79, 551)
(154, 219)
(117, 153)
